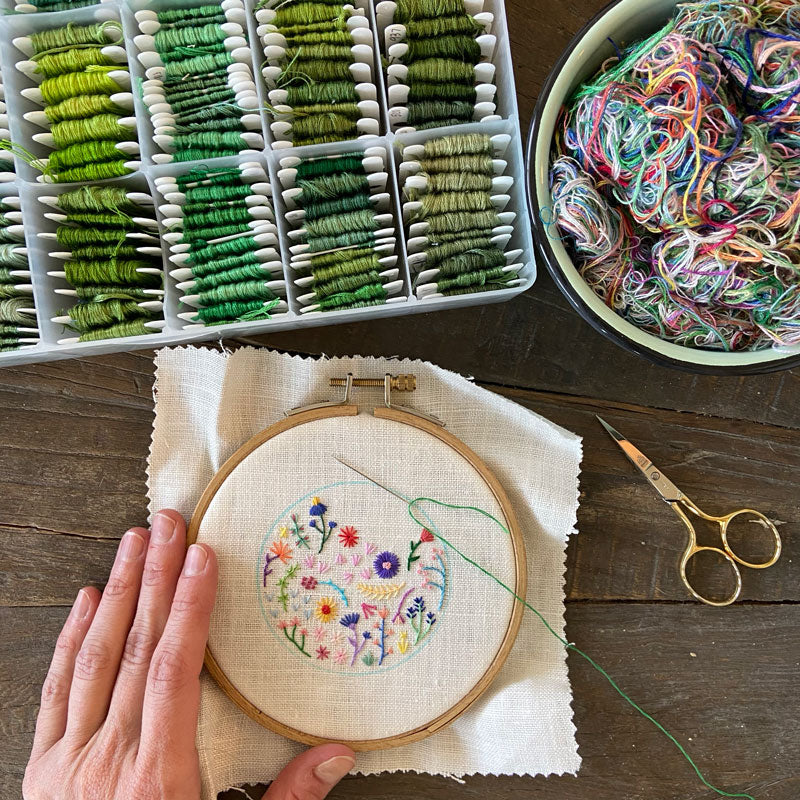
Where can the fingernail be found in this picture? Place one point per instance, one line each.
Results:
(81, 606)
(163, 528)
(195, 560)
(131, 547)
(334, 769)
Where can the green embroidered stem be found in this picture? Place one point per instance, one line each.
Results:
(440, 586)
(302, 541)
(293, 639)
(282, 583)
(411, 556)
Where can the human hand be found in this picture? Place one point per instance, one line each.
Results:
(118, 715)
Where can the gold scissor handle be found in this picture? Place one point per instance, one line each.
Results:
(750, 515)
(692, 549)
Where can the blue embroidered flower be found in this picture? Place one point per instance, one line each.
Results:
(312, 523)
(430, 617)
(350, 620)
(331, 525)
(386, 564)
(367, 635)
(417, 607)
(318, 509)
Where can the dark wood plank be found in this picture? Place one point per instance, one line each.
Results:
(722, 704)
(628, 546)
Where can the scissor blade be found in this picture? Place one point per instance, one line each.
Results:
(664, 486)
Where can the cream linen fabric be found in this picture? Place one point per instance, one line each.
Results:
(209, 403)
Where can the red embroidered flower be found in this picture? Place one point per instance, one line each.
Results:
(348, 536)
(322, 652)
(282, 624)
(426, 536)
(308, 582)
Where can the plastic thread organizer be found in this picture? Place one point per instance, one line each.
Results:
(504, 123)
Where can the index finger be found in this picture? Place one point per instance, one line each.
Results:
(172, 696)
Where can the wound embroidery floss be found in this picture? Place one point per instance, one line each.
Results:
(457, 229)
(82, 75)
(224, 244)
(199, 88)
(111, 260)
(439, 69)
(345, 251)
(319, 68)
(675, 178)
(18, 325)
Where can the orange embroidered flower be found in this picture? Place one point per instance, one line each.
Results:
(326, 609)
(282, 551)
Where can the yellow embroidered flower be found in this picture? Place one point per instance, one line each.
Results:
(283, 531)
(326, 609)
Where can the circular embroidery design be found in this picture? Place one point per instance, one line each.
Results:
(335, 595)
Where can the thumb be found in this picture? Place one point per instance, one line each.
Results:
(312, 774)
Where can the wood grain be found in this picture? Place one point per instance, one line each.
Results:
(734, 704)
(75, 436)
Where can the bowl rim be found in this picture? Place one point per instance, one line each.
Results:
(551, 261)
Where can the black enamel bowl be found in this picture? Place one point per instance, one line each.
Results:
(623, 22)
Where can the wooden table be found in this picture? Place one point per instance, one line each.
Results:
(75, 437)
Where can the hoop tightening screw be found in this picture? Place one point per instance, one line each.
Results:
(398, 383)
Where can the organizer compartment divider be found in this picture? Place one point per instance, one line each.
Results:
(49, 304)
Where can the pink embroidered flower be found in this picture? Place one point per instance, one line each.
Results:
(368, 610)
(420, 571)
(356, 559)
(437, 551)
(340, 559)
(369, 549)
(294, 621)
(282, 624)
(337, 637)
(322, 652)
(282, 551)
(348, 536)
(366, 574)
(308, 582)
(383, 612)
(426, 536)
(319, 633)
(309, 561)
(340, 657)
(348, 577)
(323, 567)
(304, 631)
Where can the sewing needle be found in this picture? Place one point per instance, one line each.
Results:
(371, 480)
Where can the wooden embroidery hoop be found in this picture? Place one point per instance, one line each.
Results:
(429, 425)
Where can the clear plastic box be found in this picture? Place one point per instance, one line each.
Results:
(49, 304)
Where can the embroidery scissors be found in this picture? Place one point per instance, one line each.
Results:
(680, 504)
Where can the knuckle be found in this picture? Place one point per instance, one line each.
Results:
(93, 660)
(154, 573)
(118, 585)
(139, 648)
(185, 607)
(55, 689)
(169, 669)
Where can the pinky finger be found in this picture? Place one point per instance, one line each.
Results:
(52, 720)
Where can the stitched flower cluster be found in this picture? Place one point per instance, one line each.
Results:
(343, 602)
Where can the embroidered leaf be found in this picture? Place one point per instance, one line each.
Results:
(380, 592)
(411, 557)
(402, 642)
(369, 659)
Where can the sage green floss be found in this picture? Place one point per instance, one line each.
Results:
(12, 300)
(457, 205)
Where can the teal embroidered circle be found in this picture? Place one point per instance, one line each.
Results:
(336, 598)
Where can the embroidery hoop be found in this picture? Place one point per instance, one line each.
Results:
(433, 427)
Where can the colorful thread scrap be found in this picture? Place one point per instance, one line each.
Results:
(675, 178)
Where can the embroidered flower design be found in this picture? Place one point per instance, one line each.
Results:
(319, 633)
(426, 536)
(318, 509)
(326, 609)
(283, 531)
(322, 652)
(366, 573)
(350, 620)
(340, 657)
(282, 550)
(369, 548)
(308, 582)
(386, 564)
(348, 536)
(282, 623)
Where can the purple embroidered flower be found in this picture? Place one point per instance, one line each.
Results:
(331, 525)
(430, 618)
(318, 509)
(386, 564)
(350, 620)
(308, 582)
(367, 635)
(312, 523)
